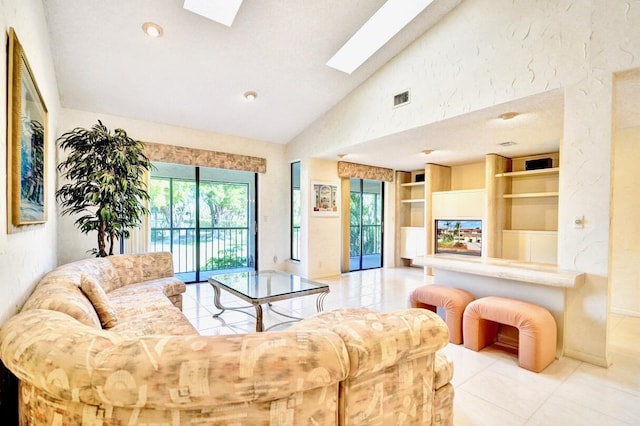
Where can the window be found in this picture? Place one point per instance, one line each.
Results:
(204, 217)
(365, 224)
(295, 211)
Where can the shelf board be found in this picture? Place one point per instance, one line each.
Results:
(532, 195)
(549, 171)
(412, 184)
(531, 231)
(416, 200)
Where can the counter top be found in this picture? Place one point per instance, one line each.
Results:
(535, 273)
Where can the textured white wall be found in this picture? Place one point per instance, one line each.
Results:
(480, 56)
(625, 227)
(273, 187)
(585, 180)
(320, 234)
(28, 252)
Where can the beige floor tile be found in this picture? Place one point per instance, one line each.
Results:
(496, 386)
(466, 363)
(561, 411)
(623, 375)
(470, 410)
(602, 398)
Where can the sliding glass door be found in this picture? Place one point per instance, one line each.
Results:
(365, 236)
(205, 217)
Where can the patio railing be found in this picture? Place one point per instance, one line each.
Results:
(220, 248)
(371, 243)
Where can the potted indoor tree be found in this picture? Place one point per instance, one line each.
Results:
(106, 185)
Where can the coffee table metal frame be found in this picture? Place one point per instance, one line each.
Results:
(256, 302)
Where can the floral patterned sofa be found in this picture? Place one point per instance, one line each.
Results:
(104, 342)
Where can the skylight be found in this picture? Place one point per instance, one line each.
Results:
(222, 11)
(393, 16)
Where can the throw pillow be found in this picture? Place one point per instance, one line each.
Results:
(95, 293)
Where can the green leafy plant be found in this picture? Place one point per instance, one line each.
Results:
(106, 173)
(227, 259)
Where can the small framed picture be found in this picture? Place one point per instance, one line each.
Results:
(325, 199)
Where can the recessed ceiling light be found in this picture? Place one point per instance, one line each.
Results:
(507, 143)
(152, 29)
(222, 11)
(508, 115)
(250, 95)
(393, 16)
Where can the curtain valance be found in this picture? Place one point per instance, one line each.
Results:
(203, 157)
(361, 171)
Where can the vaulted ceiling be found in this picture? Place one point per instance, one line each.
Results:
(195, 75)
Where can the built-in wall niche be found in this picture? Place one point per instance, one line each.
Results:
(529, 191)
(535, 214)
(412, 200)
(462, 204)
(468, 176)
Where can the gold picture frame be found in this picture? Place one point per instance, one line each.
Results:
(26, 142)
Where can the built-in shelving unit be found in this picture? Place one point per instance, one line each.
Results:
(412, 198)
(531, 174)
(519, 207)
(411, 216)
(530, 221)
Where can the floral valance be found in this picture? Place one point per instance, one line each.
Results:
(361, 171)
(203, 157)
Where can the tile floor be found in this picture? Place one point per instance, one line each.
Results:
(490, 387)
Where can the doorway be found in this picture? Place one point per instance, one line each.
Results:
(205, 217)
(365, 224)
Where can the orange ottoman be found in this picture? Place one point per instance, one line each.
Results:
(536, 326)
(452, 300)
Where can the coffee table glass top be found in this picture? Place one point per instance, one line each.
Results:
(267, 285)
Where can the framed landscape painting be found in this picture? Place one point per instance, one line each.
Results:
(26, 142)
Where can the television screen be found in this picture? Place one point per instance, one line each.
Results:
(459, 236)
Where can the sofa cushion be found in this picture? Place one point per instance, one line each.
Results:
(95, 293)
(102, 271)
(58, 294)
(169, 286)
(168, 320)
(136, 268)
(376, 340)
(134, 304)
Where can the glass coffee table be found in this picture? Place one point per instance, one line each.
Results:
(265, 287)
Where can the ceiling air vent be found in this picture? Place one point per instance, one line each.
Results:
(401, 99)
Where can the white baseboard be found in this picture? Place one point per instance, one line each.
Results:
(625, 312)
(591, 359)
